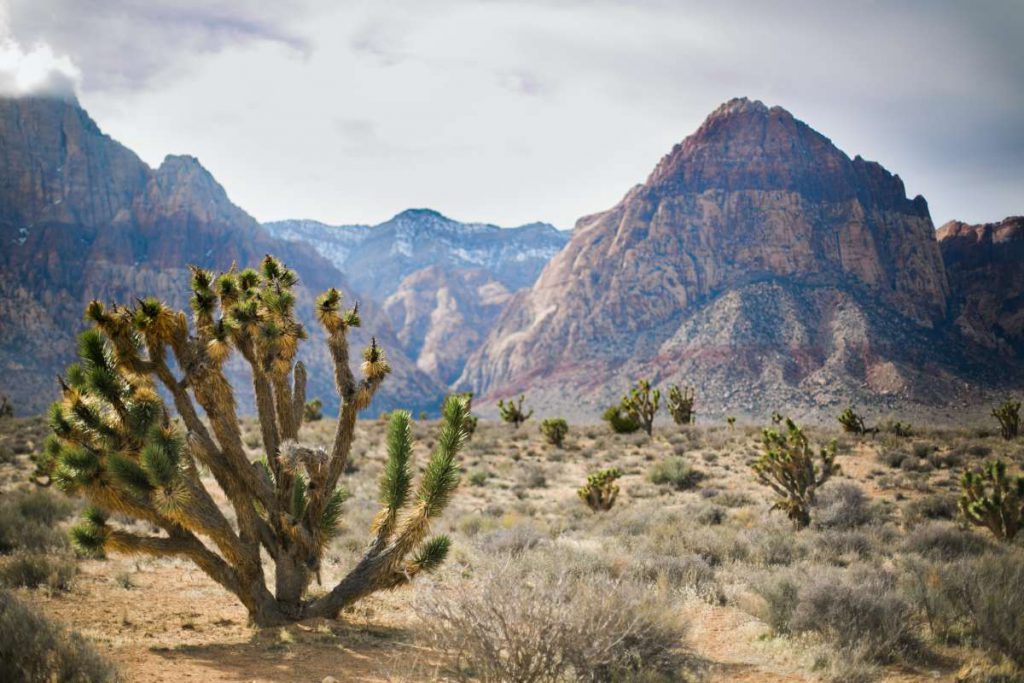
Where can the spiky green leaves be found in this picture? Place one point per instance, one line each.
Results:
(1008, 415)
(441, 475)
(396, 480)
(128, 476)
(431, 554)
(375, 365)
(330, 520)
(641, 404)
(89, 535)
(993, 500)
(554, 430)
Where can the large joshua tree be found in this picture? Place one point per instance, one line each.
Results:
(115, 442)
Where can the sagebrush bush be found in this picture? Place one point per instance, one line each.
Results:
(32, 570)
(932, 506)
(544, 619)
(979, 599)
(28, 521)
(33, 648)
(675, 471)
(858, 611)
(841, 505)
(944, 541)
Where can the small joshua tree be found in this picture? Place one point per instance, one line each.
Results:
(993, 500)
(554, 430)
(786, 464)
(777, 417)
(641, 404)
(6, 408)
(731, 421)
(512, 412)
(1008, 415)
(312, 411)
(115, 443)
(600, 491)
(852, 422)
(620, 421)
(680, 404)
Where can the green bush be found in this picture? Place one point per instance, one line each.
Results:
(33, 648)
(675, 471)
(620, 421)
(554, 430)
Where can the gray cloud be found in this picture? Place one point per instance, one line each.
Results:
(124, 44)
(515, 110)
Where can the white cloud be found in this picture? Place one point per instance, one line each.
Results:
(36, 71)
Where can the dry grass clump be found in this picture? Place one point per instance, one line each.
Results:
(33, 648)
(545, 618)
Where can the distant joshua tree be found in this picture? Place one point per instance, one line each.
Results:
(115, 443)
(641, 404)
(786, 465)
(600, 491)
(554, 430)
(992, 500)
(512, 412)
(312, 410)
(852, 422)
(6, 407)
(680, 404)
(1008, 415)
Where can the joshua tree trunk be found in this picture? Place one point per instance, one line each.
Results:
(115, 443)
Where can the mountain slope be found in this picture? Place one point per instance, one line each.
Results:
(985, 264)
(82, 217)
(758, 262)
(378, 258)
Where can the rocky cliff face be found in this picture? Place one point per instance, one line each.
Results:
(756, 260)
(985, 264)
(441, 316)
(82, 217)
(377, 258)
(443, 283)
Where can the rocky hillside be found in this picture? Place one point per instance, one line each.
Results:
(985, 264)
(442, 283)
(376, 259)
(759, 263)
(442, 315)
(82, 217)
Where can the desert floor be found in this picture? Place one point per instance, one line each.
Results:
(164, 620)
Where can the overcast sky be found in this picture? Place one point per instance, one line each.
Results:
(521, 110)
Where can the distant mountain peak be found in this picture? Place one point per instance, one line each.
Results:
(419, 214)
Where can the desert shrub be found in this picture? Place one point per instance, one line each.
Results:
(32, 570)
(710, 515)
(675, 471)
(733, 499)
(841, 505)
(772, 545)
(859, 611)
(512, 541)
(554, 430)
(780, 592)
(477, 477)
(931, 506)
(620, 421)
(979, 600)
(532, 477)
(896, 428)
(944, 541)
(555, 621)
(28, 521)
(33, 648)
(689, 573)
(892, 457)
(839, 546)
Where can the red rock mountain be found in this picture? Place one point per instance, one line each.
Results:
(985, 264)
(82, 217)
(759, 263)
